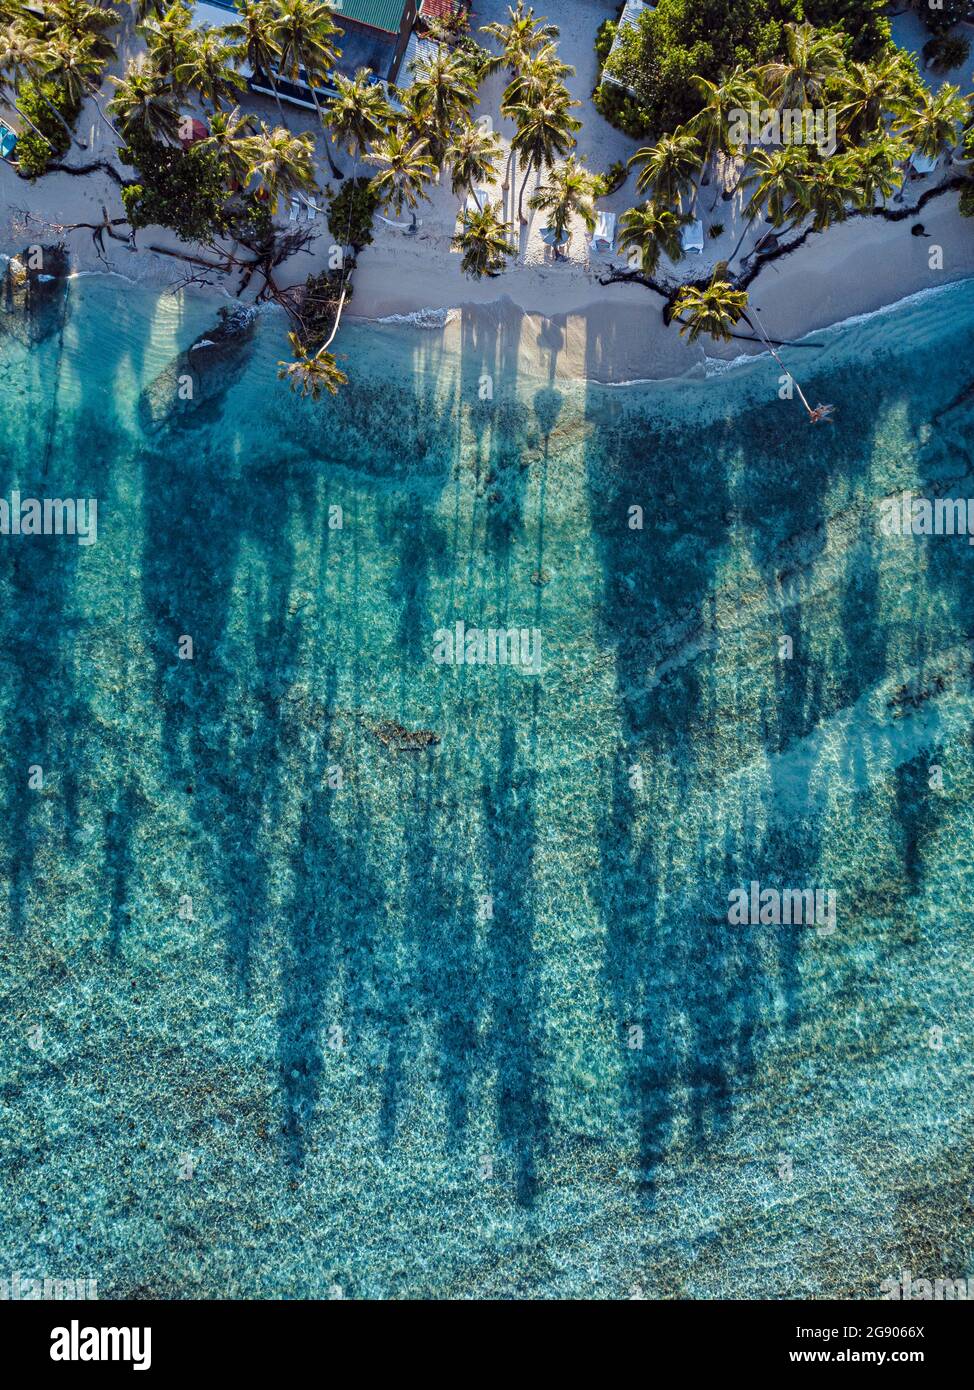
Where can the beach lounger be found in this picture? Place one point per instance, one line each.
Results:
(312, 210)
(481, 197)
(691, 238)
(8, 141)
(295, 210)
(922, 163)
(604, 236)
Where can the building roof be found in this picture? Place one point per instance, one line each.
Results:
(380, 14)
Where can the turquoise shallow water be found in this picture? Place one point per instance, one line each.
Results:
(265, 1036)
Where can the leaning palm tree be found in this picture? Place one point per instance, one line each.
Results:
(444, 92)
(778, 181)
(713, 310)
(304, 32)
(208, 69)
(811, 60)
(545, 133)
(311, 373)
(255, 36)
(519, 37)
(568, 193)
(282, 163)
(473, 155)
(359, 114)
(228, 137)
(406, 169)
(168, 38)
(652, 230)
(669, 167)
(143, 104)
(20, 55)
(483, 239)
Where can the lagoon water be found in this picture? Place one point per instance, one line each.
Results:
(291, 1011)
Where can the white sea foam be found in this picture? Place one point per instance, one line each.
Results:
(424, 318)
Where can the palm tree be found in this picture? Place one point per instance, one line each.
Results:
(714, 310)
(869, 91)
(545, 133)
(143, 104)
(669, 167)
(934, 125)
(207, 69)
(778, 181)
(811, 60)
(723, 101)
(72, 65)
(20, 53)
(877, 168)
(282, 163)
(304, 30)
(537, 75)
(229, 133)
(168, 37)
(359, 114)
(473, 155)
(444, 93)
(521, 36)
(254, 33)
(568, 193)
(310, 374)
(145, 9)
(483, 239)
(77, 20)
(652, 230)
(407, 169)
(828, 191)
(780, 187)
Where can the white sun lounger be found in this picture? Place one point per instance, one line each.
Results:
(312, 210)
(295, 210)
(691, 238)
(481, 197)
(604, 236)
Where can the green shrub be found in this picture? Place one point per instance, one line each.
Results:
(33, 153)
(351, 211)
(185, 190)
(940, 20)
(967, 199)
(945, 52)
(656, 58)
(716, 230)
(613, 178)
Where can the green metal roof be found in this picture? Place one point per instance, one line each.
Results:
(381, 14)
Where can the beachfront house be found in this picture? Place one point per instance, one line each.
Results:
(375, 34)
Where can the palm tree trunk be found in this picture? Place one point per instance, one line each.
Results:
(336, 173)
(67, 129)
(94, 96)
(747, 228)
(27, 121)
(277, 98)
(524, 184)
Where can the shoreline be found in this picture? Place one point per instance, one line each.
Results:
(558, 321)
